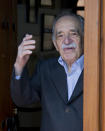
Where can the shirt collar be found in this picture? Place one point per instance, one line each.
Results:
(79, 62)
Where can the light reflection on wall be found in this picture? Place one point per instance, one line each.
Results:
(80, 3)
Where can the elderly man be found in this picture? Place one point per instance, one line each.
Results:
(56, 83)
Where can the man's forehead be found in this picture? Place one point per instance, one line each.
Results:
(69, 18)
(70, 21)
(64, 21)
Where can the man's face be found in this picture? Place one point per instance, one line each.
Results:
(68, 38)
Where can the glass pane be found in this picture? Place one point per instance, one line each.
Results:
(46, 2)
(48, 21)
(32, 15)
(47, 42)
(80, 3)
(32, 3)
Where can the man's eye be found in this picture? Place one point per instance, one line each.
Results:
(60, 36)
(74, 33)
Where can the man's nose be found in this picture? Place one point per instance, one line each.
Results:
(67, 40)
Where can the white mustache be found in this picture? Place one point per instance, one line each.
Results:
(71, 45)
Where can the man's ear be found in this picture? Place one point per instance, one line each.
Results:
(54, 42)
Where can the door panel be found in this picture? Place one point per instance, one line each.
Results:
(7, 38)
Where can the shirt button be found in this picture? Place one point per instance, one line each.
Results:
(67, 110)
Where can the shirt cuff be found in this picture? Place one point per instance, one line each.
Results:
(17, 77)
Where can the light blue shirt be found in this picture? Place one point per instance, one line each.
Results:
(73, 75)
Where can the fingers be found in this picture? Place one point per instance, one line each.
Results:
(28, 42)
(27, 37)
(27, 45)
(26, 52)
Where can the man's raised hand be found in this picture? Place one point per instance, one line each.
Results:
(24, 52)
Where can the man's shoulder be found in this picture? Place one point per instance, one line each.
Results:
(47, 64)
(49, 61)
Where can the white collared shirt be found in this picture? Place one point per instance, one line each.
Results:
(73, 75)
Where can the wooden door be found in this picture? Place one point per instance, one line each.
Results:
(94, 73)
(7, 54)
(102, 67)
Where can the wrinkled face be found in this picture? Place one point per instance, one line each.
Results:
(68, 38)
